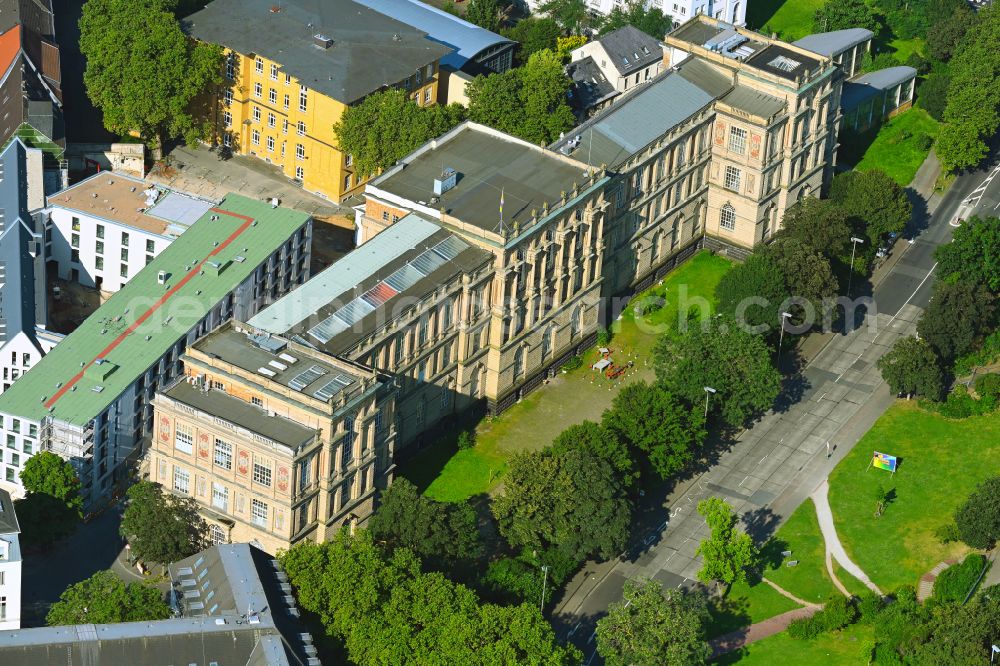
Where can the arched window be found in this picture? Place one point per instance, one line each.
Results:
(727, 218)
(547, 345)
(216, 534)
(518, 362)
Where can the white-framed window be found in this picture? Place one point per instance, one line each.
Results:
(223, 455)
(288, 79)
(300, 128)
(259, 65)
(737, 139)
(261, 473)
(227, 139)
(184, 438)
(303, 97)
(727, 218)
(270, 144)
(258, 513)
(220, 496)
(227, 97)
(300, 151)
(348, 160)
(284, 126)
(216, 535)
(300, 173)
(231, 67)
(427, 96)
(732, 181)
(258, 90)
(274, 72)
(256, 113)
(286, 101)
(255, 137)
(182, 480)
(272, 120)
(272, 95)
(227, 119)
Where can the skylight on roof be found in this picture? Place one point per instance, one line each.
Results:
(784, 63)
(304, 379)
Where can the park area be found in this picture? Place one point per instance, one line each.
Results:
(898, 147)
(447, 473)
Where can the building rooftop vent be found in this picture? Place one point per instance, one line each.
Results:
(322, 41)
(447, 180)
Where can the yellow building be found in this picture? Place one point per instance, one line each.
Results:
(292, 68)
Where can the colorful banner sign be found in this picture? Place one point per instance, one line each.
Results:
(884, 461)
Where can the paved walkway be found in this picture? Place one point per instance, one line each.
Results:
(740, 638)
(834, 548)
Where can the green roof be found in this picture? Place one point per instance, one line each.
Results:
(92, 366)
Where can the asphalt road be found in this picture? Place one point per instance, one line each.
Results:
(773, 466)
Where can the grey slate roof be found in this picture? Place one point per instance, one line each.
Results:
(628, 126)
(35, 15)
(630, 49)
(241, 413)
(467, 40)
(752, 101)
(22, 305)
(369, 51)
(590, 87)
(8, 519)
(866, 86)
(832, 44)
(241, 579)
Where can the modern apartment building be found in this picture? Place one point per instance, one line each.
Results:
(90, 398)
(103, 230)
(23, 309)
(293, 67)
(275, 441)
(10, 565)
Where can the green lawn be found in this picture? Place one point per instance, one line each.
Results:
(791, 19)
(941, 461)
(851, 646)
(450, 475)
(800, 534)
(904, 48)
(746, 605)
(895, 149)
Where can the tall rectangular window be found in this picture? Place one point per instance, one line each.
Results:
(258, 90)
(300, 151)
(732, 181)
(220, 496)
(223, 454)
(274, 72)
(259, 65)
(184, 438)
(737, 139)
(182, 480)
(303, 97)
(258, 513)
(262, 473)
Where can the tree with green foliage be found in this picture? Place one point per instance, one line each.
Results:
(843, 14)
(972, 114)
(808, 277)
(956, 319)
(653, 625)
(529, 102)
(160, 526)
(533, 34)
(441, 533)
(573, 16)
(572, 502)
(945, 35)
(388, 125)
(649, 19)
(143, 72)
(876, 203)
(820, 224)
(729, 552)
(386, 611)
(720, 354)
(105, 599)
(956, 634)
(912, 368)
(933, 94)
(753, 293)
(486, 14)
(603, 443)
(973, 255)
(52, 507)
(978, 518)
(659, 429)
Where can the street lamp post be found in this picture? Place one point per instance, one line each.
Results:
(708, 392)
(781, 335)
(850, 277)
(545, 574)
